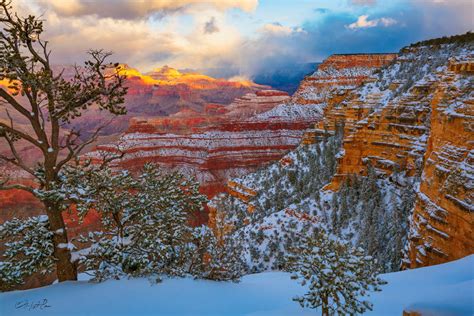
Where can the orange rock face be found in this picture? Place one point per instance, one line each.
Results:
(442, 228)
(427, 132)
(390, 140)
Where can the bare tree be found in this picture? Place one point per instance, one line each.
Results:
(49, 102)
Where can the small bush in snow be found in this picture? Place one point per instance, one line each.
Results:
(337, 276)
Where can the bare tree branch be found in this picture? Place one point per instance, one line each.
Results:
(4, 186)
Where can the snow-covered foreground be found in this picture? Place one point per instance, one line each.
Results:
(446, 289)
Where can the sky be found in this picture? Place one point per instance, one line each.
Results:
(240, 38)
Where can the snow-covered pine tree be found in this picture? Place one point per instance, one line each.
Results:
(215, 260)
(145, 219)
(161, 224)
(202, 248)
(337, 276)
(226, 262)
(50, 101)
(372, 212)
(29, 249)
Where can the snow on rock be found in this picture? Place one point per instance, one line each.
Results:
(220, 143)
(255, 129)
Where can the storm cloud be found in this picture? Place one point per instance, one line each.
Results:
(201, 35)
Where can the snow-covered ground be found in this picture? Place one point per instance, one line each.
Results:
(446, 289)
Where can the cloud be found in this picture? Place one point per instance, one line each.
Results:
(178, 40)
(205, 36)
(276, 29)
(391, 28)
(211, 26)
(134, 9)
(363, 22)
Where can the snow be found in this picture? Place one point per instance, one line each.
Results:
(446, 289)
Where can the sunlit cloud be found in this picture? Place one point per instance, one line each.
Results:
(133, 9)
(277, 29)
(211, 34)
(364, 22)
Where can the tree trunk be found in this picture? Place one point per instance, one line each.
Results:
(65, 269)
(324, 306)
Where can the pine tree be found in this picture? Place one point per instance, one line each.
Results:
(29, 249)
(203, 247)
(371, 212)
(335, 213)
(50, 102)
(337, 275)
(146, 224)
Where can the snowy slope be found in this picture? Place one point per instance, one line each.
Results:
(446, 289)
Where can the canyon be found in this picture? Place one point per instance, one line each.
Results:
(407, 118)
(224, 142)
(409, 124)
(213, 145)
(159, 93)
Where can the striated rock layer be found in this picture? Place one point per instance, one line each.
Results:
(412, 121)
(442, 227)
(421, 127)
(221, 142)
(166, 91)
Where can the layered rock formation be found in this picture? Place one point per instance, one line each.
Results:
(166, 91)
(411, 125)
(161, 92)
(442, 228)
(255, 129)
(212, 146)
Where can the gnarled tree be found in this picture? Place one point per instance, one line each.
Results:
(40, 104)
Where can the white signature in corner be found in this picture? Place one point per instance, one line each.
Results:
(32, 305)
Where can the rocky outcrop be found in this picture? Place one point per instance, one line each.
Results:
(166, 91)
(442, 226)
(331, 84)
(426, 131)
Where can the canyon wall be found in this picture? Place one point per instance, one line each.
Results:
(213, 145)
(442, 227)
(158, 93)
(406, 159)
(254, 130)
(425, 131)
